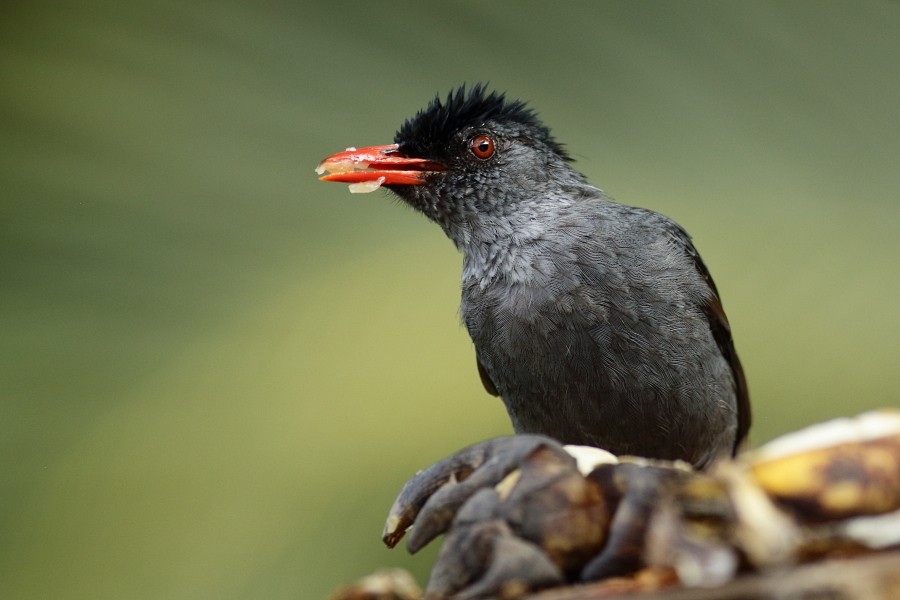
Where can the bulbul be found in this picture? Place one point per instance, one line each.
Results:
(595, 322)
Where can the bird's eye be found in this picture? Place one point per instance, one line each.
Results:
(482, 147)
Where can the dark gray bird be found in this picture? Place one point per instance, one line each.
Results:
(597, 323)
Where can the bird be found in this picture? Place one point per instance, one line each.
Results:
(595, 322)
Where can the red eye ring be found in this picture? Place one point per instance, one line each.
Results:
(482, 146)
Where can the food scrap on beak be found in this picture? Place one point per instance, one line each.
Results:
(366, 169)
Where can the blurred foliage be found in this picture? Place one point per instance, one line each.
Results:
(216, 372)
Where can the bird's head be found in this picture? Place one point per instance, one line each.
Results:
(474, 157)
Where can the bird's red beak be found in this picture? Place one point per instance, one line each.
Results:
(378, 165)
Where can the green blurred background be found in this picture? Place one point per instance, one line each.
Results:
(216, 371)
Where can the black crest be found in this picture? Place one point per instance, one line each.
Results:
(427, 133)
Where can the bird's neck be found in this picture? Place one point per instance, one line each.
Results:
(511, 241)
(488, 264)
(498, 249)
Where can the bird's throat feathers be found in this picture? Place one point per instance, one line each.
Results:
(505, 236)
(488, 264)
(509, 248)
